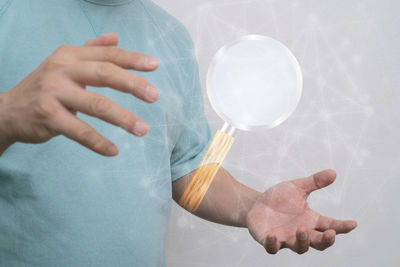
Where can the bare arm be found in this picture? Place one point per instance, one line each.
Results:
(226, 202)
(5, 141)
(277, 218)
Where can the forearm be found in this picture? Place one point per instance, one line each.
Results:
(5, 141)
(4, 146)
(226, 202)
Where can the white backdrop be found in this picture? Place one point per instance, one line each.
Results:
(347, 119)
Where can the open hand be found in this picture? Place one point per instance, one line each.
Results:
(44, 104)
(281, 217)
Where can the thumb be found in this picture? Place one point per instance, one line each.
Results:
(108, 39)
(316, 181)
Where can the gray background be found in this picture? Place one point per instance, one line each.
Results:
(347, 119)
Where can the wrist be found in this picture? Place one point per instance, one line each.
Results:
(5, 140)
(247, 202)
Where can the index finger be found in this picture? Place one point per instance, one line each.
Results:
(322, 241)
(108, 39)
(340, 226)
(123, 58)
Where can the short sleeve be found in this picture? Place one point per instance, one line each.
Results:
(195, 136)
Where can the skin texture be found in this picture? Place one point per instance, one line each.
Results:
(44, 104)
(278, 218)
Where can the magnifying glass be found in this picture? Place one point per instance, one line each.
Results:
(253, 84)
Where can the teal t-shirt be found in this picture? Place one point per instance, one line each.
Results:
(64, 205)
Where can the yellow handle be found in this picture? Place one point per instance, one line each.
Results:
(205, 173)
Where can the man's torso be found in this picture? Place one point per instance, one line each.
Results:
(60, 203)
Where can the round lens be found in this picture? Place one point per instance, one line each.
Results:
(254, 83)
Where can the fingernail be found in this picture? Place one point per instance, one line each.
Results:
(151, 93)
(140, 128)
(152, 62)
(112, 150)
(303, 236)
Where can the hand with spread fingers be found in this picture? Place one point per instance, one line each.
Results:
(281, 218)
(44, 104)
